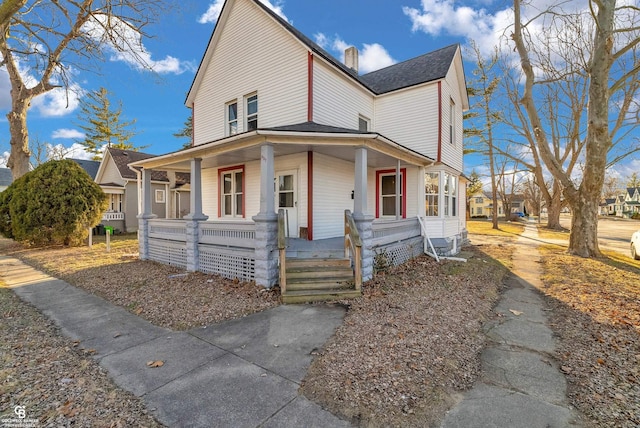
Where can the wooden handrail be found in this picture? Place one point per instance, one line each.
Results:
(353, 245)
(282, 253)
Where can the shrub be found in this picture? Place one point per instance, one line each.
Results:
(56, 203)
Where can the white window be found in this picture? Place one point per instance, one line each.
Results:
(231, 192)
(115, 202)
(252, 112)
(450, 195)
(452, 122)
(232, 118)
(160, 196)
(432, 193)
(386, 183)
(363, 124)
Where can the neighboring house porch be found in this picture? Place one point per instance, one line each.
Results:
(312, 174)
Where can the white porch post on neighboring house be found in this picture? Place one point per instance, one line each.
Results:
(195, 216)
(145, 215)
(360, 212)
(266, 245)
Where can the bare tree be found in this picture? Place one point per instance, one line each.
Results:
(482, 90)
(50, 39)
(602, 50)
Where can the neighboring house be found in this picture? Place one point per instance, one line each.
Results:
(481, 205)
(282, 126)
(631, 204)
(608, 206)
(170, 190)
(5, 178)
(90, 166)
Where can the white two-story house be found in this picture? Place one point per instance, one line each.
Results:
(281, 126)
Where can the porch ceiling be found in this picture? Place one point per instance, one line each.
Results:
(244, 148)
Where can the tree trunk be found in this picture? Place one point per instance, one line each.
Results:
(583, 240)
(555, 207)
(19, 157)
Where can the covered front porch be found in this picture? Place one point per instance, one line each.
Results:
(239, 234)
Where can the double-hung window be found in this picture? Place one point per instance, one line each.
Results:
(232, 118)
(363, 124)
(432, 193)
(386, 191)
(452, 122)
(450, 195)
(115, 202)
(252, 112)
(232, 192)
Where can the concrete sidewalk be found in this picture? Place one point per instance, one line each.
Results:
(520, 384)
(241, 373)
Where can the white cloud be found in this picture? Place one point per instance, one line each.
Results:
(371, 57)
(64, 133)
(4, 159)
(214, 9)
(58, 102)
(75, 151)
(374, 57)
(125, 44)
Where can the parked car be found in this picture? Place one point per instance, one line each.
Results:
(635, 245)
(519, 214)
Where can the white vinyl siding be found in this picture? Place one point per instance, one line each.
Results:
(332, 186)
(337, 101)
(410, 118)
(451, 153)
(111, 174)
(253, 54)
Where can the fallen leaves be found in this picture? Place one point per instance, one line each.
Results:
(155, 364)
(515, 312)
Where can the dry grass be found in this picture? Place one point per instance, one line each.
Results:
(559, 235)
(596, 314)
(485, 227)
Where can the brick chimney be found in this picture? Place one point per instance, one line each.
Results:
(351, 58)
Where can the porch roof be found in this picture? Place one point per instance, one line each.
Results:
(303, 137)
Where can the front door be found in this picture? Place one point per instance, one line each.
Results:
(287, 199)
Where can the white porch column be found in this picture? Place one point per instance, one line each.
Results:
(398, 189)
(362, 219)
(195, 216)
(422, 205)
(145, 215)
(266, 241)
(195, 212)
(360, 183)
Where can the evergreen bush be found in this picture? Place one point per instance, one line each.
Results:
(56, 203)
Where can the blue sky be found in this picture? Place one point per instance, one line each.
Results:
(384, 31)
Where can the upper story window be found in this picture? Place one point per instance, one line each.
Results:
(252, 112)
(232, 118)
(452, 122)
(363, 124)
(479, 200)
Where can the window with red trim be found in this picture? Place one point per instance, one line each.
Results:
(231, 199)
(386, 193)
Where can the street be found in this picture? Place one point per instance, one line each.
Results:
(614, 233)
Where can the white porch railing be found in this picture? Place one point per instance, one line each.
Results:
(174, 230)
(228, 234)
(223, 248)
(112, 216)
(390, 231)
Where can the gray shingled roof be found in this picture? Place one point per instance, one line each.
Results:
(314, 127)
(425, 68)
(5, 177)
(123, 158)
(90, 166)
